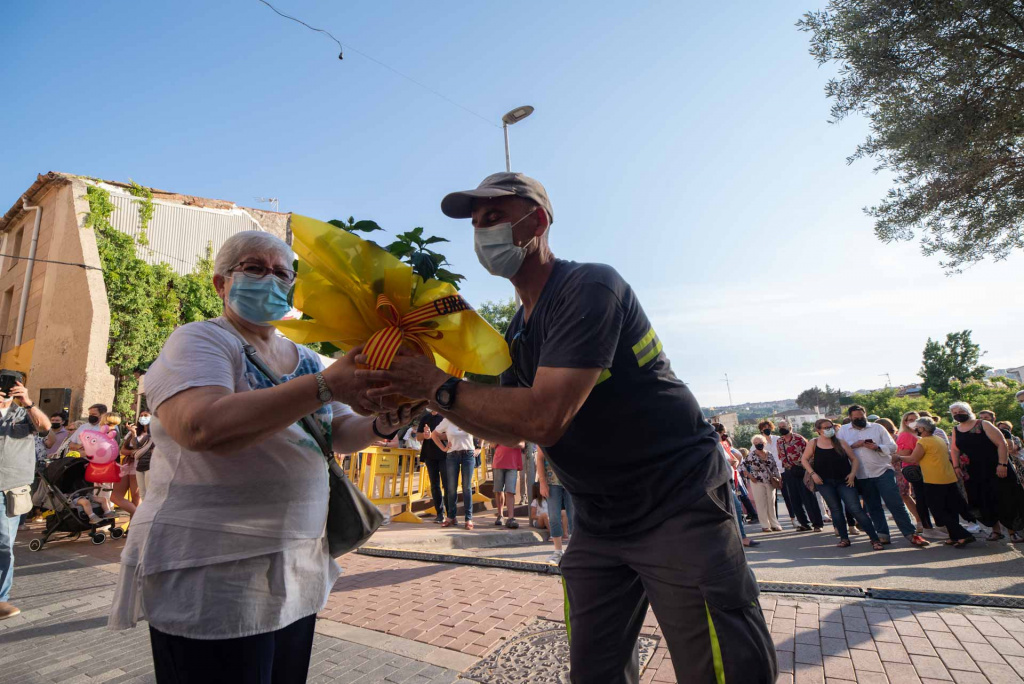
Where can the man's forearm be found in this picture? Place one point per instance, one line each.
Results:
(506, 415)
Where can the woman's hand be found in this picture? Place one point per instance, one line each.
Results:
(851, 479)
(346, 387)
(817, 479)
(393, 420)
(1002, 470)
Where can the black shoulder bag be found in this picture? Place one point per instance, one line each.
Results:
(351, 517)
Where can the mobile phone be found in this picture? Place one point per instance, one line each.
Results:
(7, 380)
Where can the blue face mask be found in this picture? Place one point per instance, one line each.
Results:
(258, 300)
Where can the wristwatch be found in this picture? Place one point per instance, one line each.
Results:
(445, 397)
(323, 392)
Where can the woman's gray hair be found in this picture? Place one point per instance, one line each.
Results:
(926, 424)
(964, 406)
(248, 243)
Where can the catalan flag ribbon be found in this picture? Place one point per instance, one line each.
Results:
(356, 293)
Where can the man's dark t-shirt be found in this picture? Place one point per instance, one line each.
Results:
(639, 450)
(429, 450)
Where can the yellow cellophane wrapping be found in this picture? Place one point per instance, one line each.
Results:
(339, 279)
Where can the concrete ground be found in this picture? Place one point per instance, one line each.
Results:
(788, 556)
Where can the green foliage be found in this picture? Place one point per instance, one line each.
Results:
(498, 314)
(828, 400)
(145, 209)
(955, 359)
(807, 430)
(885, 404)
(997, 397)
(742, 435)
(146, 302)
(412, 248)
(941, 83)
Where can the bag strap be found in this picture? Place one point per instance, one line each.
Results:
(308, 423)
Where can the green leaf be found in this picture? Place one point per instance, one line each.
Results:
(423, 265)
(365, 226)
(433, 240)
(400, 249)
(341, 224)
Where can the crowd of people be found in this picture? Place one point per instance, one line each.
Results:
(933, 484)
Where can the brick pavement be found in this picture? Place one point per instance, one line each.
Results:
(61, 634)
(472, 610)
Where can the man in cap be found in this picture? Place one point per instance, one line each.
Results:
(590, 383)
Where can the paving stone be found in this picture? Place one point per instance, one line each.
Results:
(839, 668)
(904, 673)
(1000, 673)
(892, 653)
(834, 647)
(808, 654)
(866, 661)
(918, 645)
(957, 660)
(944, 640)
(930, 666)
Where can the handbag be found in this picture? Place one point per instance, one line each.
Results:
(18, 501)
(808, 480)
(351, 517)
(912, 473)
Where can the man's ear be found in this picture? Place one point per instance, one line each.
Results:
(219, 283)
(542, 220)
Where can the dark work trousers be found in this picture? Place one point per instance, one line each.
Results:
(785, 500)
(921, 500)
(436, 473)
(280, 657)
(947, 507)
(691, 570)
(804, 503)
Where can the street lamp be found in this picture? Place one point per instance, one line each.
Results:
(513, 117)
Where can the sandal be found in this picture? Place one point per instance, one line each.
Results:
(843, 543)
(964, 542)
(877, 546)
(765, 529)
(950, 542)
(469, 524)
(448, 523)
(918, 540)
(995, 536)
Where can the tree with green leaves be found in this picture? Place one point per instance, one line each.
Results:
(942, 84)
(146, 302)
(956, 359)
(885, 404)
(498, 314)
(826, 400)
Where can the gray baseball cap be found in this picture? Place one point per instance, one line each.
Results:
(460, 204)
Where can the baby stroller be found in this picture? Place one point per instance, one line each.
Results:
(62, 483)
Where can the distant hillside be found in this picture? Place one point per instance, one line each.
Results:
(753, 410)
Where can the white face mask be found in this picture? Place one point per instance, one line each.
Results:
(497, 251)
(143, 420)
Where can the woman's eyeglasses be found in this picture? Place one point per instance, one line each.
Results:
(258, 270)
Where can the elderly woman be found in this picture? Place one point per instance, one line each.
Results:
(944, 499)
(913, 493)
(994, 495)
(228, 559)
(762, 474)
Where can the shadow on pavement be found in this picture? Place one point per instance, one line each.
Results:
(53, 630)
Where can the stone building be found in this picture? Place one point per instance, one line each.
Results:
(54, 318)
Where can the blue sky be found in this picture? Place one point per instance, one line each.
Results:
(687, 144)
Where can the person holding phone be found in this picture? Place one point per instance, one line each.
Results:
(20, 421)
(876, 477)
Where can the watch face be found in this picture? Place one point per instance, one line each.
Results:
(444, 396)
(324, 396)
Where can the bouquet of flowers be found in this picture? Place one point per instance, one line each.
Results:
(356, 293)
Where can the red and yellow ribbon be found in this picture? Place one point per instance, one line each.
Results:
(384, 344)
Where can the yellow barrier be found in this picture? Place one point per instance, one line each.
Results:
(385, 476)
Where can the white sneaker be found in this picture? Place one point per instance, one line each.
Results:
(973, 528)
(555, 557)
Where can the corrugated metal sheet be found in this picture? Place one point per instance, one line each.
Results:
(178, 234)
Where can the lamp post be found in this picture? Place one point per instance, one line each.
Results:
(513, 117)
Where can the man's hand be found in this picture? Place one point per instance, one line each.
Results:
(858, 444)
(412, 377)
(545, 489)
(20, 393)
